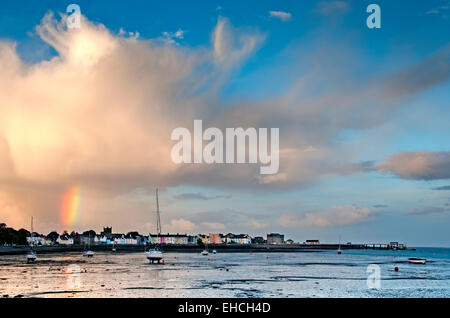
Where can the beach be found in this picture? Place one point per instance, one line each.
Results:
(313, 274)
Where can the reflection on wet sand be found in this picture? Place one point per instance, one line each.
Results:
(222, 275)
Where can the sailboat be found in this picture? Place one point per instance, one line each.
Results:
(155, 255)
(205, 251)
(89, 253)
(31, 256)
(339, 249)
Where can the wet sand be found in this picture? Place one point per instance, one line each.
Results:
(324, 274)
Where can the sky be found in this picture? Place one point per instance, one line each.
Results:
(363, 115)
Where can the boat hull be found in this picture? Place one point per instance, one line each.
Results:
(154, 256)
(417, 261)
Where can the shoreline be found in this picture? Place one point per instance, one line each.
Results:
(230, 248)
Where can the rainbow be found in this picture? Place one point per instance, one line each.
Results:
(70, 204)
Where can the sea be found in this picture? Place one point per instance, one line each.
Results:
(354, 273)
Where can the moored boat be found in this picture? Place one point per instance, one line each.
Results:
(88, 253)
(155, 255)
(417, 260)
(31, 256)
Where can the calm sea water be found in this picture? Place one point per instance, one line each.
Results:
(305, 274)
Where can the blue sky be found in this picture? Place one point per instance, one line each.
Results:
(395, 81)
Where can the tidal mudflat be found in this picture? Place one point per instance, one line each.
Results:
(321, 274)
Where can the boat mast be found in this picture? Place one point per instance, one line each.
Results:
(32, 240)
(158, 219)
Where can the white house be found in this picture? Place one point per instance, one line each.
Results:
(100, 239)
(120, 241)
(37, 240)
(64, 240)
(131, 241)
(168, 239)
(238, 238)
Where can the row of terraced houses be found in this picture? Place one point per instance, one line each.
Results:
(106, 237)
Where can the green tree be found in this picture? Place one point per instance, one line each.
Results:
(53, 236)
(90, 233)
(133, 234)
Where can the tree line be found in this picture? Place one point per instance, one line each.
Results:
(10, 236)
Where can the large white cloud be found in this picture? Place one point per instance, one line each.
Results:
(100, 114)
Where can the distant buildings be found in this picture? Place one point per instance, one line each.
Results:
(107, 232)
(397, 245)
(243, 239)
(100, 240)
(107, 237)
(231, 238)
(275, 238)
(64, 240)
(38, 240)
(204, 238)
(178, 239)
(215, 238)
(312, 242)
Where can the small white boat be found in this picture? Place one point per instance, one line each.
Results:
(214, 252)
(204, 253)
(154, 255)
(31, 257)
(88, 253)
(417, 260)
